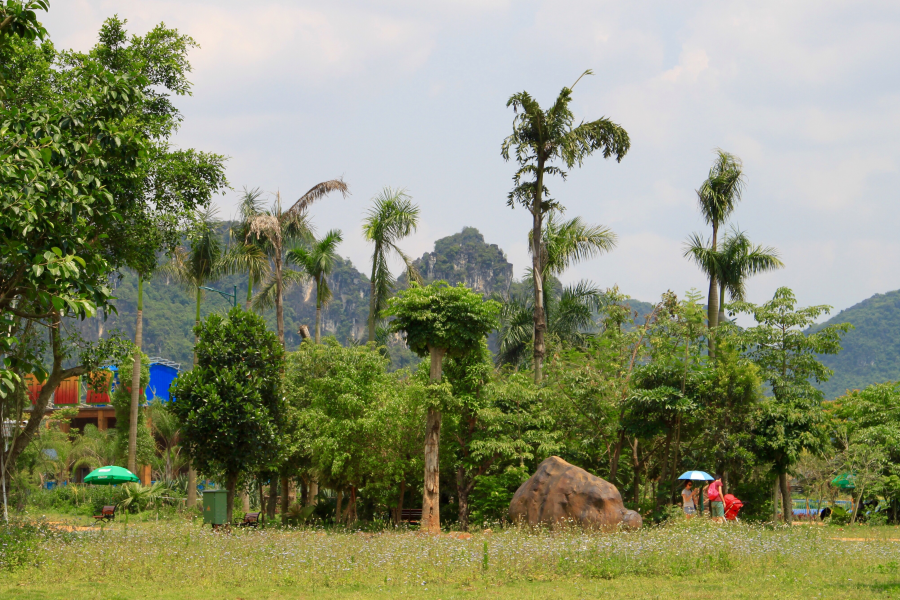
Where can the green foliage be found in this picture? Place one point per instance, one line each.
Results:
(19, 541)
(356, 424)
(230, 405)
(792, 420)
(493, 493)
(439, 316)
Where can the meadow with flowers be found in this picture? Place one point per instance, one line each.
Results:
(179, 559)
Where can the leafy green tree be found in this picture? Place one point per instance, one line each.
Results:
(342, 396)
(738, 259)
(495, 423)
(392, 218)
(86, 149)
(439, 320)
(317, 262)
(540, 138)
(792, 420)
(870, 418)
(717, 196)
(277, 229)
(230, 405)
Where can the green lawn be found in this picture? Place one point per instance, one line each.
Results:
(174, 560)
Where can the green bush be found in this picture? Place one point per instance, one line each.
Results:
(493, 493)
(18, 545)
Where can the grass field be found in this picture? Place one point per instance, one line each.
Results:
(169, 560)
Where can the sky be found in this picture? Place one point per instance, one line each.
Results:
(411, 94)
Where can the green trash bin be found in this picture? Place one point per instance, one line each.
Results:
(215, 506)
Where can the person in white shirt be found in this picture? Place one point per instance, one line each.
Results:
(687, 500)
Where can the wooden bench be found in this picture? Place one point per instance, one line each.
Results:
(410, 515)
(251, 520)
(107, 514)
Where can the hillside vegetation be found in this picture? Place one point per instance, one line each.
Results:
(871, 351)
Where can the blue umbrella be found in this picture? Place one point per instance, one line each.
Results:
(696, 476)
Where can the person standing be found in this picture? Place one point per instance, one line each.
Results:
(687, 500)
(715, 496)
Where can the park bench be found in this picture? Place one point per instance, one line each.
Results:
(251, 520)
(410, 515)
(107, 514)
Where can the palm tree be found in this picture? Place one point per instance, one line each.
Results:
(737, 260)
(540, 138)
(567, 243)
(193, 268)
(317, 263)
(168, 431)
(200, 264)
(247, 255)
(277, 228)
(570, 313)
(392, 218)
(718, 196)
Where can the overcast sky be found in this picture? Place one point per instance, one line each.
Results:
(412, 94)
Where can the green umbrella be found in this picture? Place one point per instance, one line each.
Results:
(844, 481)
(110, 476)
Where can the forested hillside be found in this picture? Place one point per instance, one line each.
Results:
(871, 351)
(169, 310)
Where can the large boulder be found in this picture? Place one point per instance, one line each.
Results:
(560, 493)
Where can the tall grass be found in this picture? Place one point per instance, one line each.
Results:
(168, 552)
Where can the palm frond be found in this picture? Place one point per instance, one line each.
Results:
(265, 298)
(318, 191)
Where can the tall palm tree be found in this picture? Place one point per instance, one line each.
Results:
(247, 255)
(570, 312)
(192, 268)
(718, 196)
(737, 260)
(567, 243)
(317, 262)
(392, 218)
(277, 228)
(540, 138)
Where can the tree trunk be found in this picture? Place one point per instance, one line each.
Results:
(285, 494)
(279, 299)
(775, 498)
(337, 507)
(262, 495)
(372, 294)
(318, 318)
(351, 506)
(664, 471)
(136, 379)
(721, 318)
(431, 512)
(617, 452)
(398, 515)
(712, 310)
(787, 506)
(313, 492)
(249, 292)
(540, 324)
(636, 479)
(230, 485)
(675, 458)
(273, 496)
(245, 501)
(192, 486)
(463, 488)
